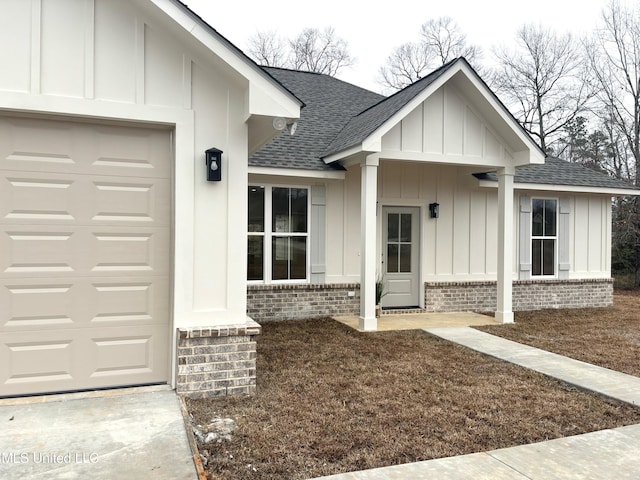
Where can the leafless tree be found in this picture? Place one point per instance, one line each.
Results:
(407, 64)
(319, 51)
(268, 49)
(446, 41)
(614, 57)
(543, 81)
(313, 50)
(441, 41)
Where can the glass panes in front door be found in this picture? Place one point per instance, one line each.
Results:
(399, 242)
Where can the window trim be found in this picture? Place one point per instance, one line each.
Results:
(267, 234)
(555, 238)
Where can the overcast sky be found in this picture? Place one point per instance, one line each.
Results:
(373, 32)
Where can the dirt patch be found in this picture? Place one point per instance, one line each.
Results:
(333, 400)
(608, 337)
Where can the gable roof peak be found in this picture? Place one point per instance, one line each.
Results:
(369, 120)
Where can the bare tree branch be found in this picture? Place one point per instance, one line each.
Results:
(544, 80)
(614, 57)
(311, 50)
(267, 49)
(440, 42)
(319, 51)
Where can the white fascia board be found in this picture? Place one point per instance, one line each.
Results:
(343, 154)
(262, 101)
(281, 102)
(445, 159)
(297, 172)
(564, 188)
(528, 157)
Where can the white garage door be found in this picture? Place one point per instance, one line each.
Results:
(84, 255)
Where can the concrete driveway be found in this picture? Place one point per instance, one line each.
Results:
(124, 434)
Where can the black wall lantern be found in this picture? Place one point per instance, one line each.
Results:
(213, 159)
(434, 210)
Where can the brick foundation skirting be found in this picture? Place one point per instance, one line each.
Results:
(217, 361)
(527, 295)
(291, 302)
(294, 302)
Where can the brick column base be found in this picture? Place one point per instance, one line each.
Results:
(217, 361)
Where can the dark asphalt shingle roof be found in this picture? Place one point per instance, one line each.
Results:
(560, 172)
(339, 115)
(329, 104)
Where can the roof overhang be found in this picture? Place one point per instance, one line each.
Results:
(297, 172)
(546, 187)
(265, 96)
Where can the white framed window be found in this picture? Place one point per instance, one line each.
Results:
(544, 237)
(278, 234)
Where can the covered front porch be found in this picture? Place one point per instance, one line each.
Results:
(450, 119)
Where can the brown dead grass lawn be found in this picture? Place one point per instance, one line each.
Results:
(333, 400)
(608, 337)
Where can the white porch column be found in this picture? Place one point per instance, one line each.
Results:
(504, 311)
(368, 199)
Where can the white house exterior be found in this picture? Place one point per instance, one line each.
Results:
(432, 143)
(120, 264)
(112, 241)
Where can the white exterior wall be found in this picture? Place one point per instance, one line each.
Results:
(461, 245)
(126, 61)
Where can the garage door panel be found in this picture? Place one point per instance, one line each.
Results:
(41, 251)
(84, 358)
(115, 356)
(37, 305)
(129, 302)
(38, 198)
(33, 197)
(134, 251)
(68, 147)
(36, 145)
(31, 361)
(119, 151)
(63, 304)
(133, 200)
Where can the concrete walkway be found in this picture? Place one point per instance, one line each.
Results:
(101, 435)
(606, 454)
(583, 375)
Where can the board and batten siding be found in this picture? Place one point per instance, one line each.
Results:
(447, 126)
(461, 245)
(591, 236)
(124, 61)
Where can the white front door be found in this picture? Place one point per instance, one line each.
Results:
(401, 256)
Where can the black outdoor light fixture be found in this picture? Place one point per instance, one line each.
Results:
(213, 160)
(434, 210)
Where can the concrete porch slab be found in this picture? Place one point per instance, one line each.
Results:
(417, 321)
